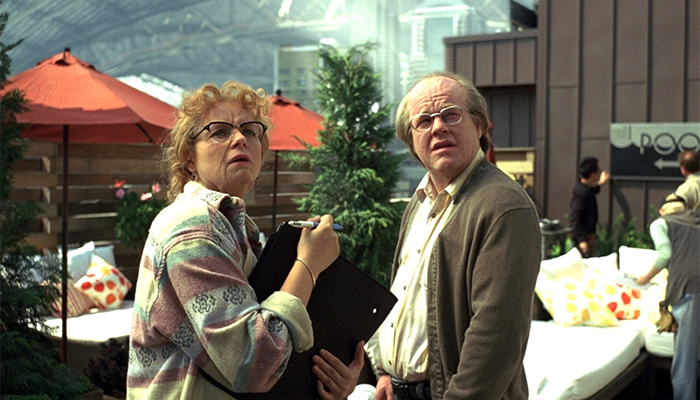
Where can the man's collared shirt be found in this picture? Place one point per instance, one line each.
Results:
(400, 345)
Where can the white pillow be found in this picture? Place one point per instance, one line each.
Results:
(636, 262)
(106, 253)
(604, 265)
(569, 264)
(79, 259)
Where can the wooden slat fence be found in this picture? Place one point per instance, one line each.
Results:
(94, 168)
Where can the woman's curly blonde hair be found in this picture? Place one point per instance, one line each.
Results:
(190, 120)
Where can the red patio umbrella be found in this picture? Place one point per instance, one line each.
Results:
(69, 100)
(294, 124)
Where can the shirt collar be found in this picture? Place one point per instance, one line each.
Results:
(221, 201)
(231, 207)
(427, 189)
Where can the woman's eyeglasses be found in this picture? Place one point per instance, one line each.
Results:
(451, 115)
(222, 131)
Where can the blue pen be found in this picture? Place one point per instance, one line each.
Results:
(310, 224)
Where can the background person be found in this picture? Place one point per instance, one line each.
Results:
(466, 262)
(194, 310)
(676, 236)
(584, 206)
(689, 190)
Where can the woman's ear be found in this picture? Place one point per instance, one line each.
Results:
(189, 164)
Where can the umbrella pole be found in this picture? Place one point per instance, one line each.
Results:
(274, 195)
(64, 259)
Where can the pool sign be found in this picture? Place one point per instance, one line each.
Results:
(651, 149)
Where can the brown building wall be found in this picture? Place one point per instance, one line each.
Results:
(595, 63)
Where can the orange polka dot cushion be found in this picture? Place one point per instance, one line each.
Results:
(623, 301)
(104, 284)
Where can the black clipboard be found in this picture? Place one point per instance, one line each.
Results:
(346, 306)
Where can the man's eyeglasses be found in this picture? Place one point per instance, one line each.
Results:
(451, 115)
(222, 131)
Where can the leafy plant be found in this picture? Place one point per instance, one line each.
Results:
(109, 370)
(29, 367)
(135, 213)
(622, 233)
(557, 249)
(356, 172)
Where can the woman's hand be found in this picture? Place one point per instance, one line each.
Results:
(384, 391)
(339, 380)
(319, 246)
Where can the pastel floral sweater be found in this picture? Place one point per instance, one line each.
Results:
(194, 308)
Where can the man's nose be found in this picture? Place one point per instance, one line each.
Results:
(438, 125)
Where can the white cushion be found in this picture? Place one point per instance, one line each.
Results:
(605, 265)
(79, 259)
(569, 264)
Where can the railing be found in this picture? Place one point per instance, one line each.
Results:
(93, 170)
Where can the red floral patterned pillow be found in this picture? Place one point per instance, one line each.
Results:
(104, 284)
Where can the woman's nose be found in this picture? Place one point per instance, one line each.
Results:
(238, 138)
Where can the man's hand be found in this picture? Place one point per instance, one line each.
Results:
(340, 380)
(384, 390)
(604, 176)
(583, 246)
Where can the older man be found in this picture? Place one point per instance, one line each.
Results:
(689, 190)
(466, 263)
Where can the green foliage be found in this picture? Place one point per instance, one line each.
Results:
(26, 297)
(356, 172)
(29, 368)
(21, 303)
(556, 250)
(135, 214)
(622, 233)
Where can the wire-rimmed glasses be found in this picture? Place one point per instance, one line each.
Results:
(451, 115)
(222, 131)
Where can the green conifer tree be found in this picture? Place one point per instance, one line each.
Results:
(356, 172)
(29, 367)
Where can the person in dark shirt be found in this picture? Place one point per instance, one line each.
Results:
(584, 207)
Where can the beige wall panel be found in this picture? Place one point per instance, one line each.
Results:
(526, 61)
(667, 79)
(504, 62)
(597, 69)
(562, 151)
(483, 62)
(631, 103)
(694, 101)
(693, 40)
(632, 41)
(464, 60)
(564, 43)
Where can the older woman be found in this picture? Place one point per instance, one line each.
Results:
(195, 314)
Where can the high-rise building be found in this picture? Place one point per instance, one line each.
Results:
(295, 77)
